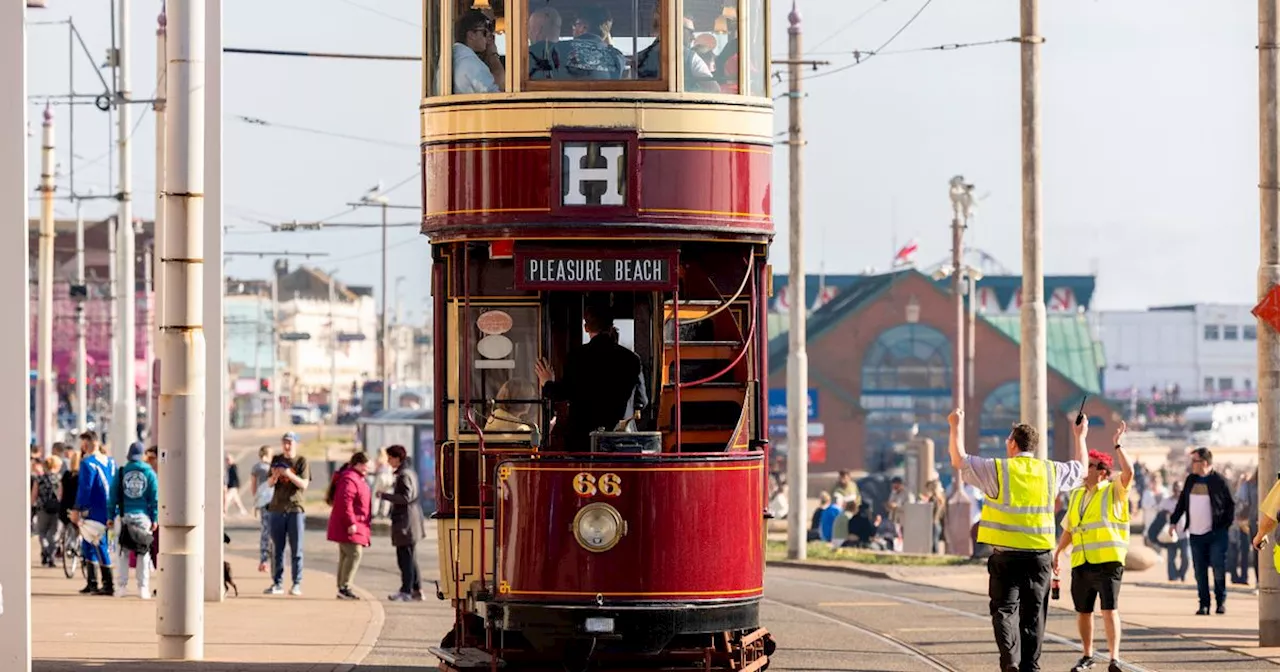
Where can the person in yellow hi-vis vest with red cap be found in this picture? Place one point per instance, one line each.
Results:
(1097, 529)
(1017, 522)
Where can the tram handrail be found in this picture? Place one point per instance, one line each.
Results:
(746, 345)
(724, 306)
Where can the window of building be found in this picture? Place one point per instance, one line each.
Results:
(1001, 410)
(1210, 332)
(478, 53)
(605, 44)
(1249, 332)
(1225, 385)
(906, 383)
(503, 345)
(1230, 332)
(1208, 384)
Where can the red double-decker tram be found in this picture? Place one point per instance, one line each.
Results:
(599, 159)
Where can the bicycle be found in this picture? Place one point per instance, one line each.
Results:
(69, 547)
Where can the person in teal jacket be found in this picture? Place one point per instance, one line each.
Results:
(135, 502)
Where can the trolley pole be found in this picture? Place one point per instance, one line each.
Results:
(382, 319)
(1034, 377)
(82, 365)
(180, 612)
(46, 400)
(15, 357)
(125, 418)
(798, 359)
(1268, 278)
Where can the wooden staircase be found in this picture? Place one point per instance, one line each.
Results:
(711, 412)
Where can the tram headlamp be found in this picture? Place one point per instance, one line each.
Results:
(598, 527)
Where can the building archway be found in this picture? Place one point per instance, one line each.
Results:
(906, 384)
(1001, 410)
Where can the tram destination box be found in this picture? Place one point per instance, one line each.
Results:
(582, 270)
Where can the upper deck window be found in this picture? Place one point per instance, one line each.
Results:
(593, 44)
(479, 47)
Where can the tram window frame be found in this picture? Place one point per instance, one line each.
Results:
(457, 418)
(433, 75)
(445, 33)
(663, 82)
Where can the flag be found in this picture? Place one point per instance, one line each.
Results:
(906, 256)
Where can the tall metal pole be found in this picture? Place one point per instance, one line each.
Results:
(333, 353)
(1034, 377)
(46, 398)
(214, 288)
(1268, 277)
(15, 333)
(82, 364)
(158, 109)
(970, 331)
(957, 296)
(382, 320)
(125, 417)
(148, 345)
(798, 359)
(275, 347)
(113, 319)
(180, 612)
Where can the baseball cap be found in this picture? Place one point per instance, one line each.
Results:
(289, 436)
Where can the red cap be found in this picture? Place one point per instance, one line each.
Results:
(1101, 458)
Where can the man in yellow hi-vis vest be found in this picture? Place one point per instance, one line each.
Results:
(1017, 522)
(1097, 529)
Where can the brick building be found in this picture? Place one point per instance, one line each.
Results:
(880, 360)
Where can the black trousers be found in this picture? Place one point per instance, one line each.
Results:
(407, 559)
(1019, 591)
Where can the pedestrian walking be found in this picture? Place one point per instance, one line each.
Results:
(263, 493)
(93, 509)
(1017, 522)
(1210, 510)
(349, 519)
(290, 476)
(46, 498)
(136, 504)
(232, 493)
(406, 524)
(1097, 529)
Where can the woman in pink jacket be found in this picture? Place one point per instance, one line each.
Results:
(349, 520)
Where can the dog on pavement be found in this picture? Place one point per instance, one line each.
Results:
(228, 581)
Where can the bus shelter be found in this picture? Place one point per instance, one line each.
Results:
(415, 430)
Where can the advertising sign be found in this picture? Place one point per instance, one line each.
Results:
(778, 404)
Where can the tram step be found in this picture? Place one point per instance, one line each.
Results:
(464, 658)
(705, 392)
(703, 350)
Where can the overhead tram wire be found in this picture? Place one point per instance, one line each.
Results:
(381, 13)
(320, 54)
(878, 4)
(859, 61)
(950, 46)
(257, 121)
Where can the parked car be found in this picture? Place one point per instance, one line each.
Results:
(302, 414)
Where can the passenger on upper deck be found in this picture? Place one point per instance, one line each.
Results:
(697, 73)
(600, 380)
(588, 55)
(477, 67)
(544, 43)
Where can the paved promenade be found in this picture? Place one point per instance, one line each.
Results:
(312, 633)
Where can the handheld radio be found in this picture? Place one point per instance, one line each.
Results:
(1080, 413)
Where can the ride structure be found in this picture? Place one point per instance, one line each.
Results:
(614, 173)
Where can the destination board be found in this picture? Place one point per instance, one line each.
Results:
(640, 271)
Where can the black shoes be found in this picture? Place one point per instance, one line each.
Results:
(1114, 666)
(1202, 611)
(1222, 609)
(346, 594)
(1085, 663)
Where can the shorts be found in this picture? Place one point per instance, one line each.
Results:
(1089, 582)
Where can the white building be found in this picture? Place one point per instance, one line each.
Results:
(342, 333)
(1208, 351)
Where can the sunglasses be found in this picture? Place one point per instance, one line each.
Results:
(484, 30)
(1098, 465)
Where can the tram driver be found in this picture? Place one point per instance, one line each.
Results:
(602, 379)
(477, 67)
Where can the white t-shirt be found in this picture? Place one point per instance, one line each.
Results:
(1200, 514)
(470, 74)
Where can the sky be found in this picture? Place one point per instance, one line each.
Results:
(1149, 121)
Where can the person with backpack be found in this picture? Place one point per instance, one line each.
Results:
(136, 504)
(47, 499)
(349, 519)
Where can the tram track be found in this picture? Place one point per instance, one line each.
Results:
(941, 665)
(893, 642)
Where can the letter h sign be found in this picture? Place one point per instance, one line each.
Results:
(594, 173)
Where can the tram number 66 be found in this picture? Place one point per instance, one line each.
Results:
(587, 485)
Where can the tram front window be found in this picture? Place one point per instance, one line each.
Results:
(504, 351)
(593, 41)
